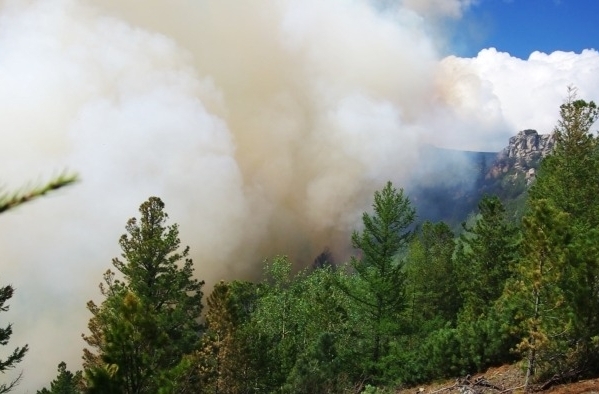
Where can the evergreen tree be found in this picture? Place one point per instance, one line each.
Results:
(484, 259)
(569, 176)
(537, 289)
(65, 383)
(225, 363)
(150, 319)
(568, 181)
(17, 354)
(484, 255)
(379, 289)
(432, 279)
(10, 201)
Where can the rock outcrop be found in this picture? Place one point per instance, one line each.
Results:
(523, 154)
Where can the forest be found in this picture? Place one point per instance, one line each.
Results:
(418, 302)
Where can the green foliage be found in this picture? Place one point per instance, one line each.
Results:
(66, 382)
(440, 354)
(484, 256)
(152, 273)
(565, 175)
(538, 288)
(6, 292)
(325, 361)
(226, 360)
(560, 268)
(12, 200)
(150, 320)
(300, 331)
(319, 369)
(431, 278)
(129, 347)
(483, 259)
(379, 291)
(369, 389)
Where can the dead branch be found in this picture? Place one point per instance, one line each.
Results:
(511, 389)
(453, 386)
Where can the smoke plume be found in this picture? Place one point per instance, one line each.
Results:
(265, 126)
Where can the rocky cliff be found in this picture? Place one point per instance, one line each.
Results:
(522, 155)
(451, 183)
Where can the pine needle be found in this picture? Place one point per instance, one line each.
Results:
(9, 201)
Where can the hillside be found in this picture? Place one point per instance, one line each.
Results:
(467, 176)
(500, 380)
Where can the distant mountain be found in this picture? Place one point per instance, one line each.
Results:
(449, 183)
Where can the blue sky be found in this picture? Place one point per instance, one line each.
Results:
(520, 27)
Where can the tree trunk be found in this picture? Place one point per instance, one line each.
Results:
(532, 354)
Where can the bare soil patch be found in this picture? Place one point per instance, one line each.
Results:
(507, 379)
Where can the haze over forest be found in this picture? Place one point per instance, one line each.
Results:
(264, 126)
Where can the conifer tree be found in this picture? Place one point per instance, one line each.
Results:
(66, 382)
(568, 176)
(10, 201)
(484, 259)
(17, 354)
(484, 255)
(149, 319)
(379, 290)
(542, 310)
(568, 181)
(432, 277)
(223, 359)
(13, 200)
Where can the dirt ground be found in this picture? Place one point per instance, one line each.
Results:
(507, 379)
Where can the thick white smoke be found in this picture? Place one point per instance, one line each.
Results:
(265, 126)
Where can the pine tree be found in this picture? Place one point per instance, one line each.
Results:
(569, 181)
(432, 278)
(150, 319)
(17, 354)
(65, 383)
(568, 176)
(484, 255)
(10, 201)
(223, 358)
(545, 316)
(379, 291)
(484, 259)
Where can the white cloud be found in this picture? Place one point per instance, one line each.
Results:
(523, 93)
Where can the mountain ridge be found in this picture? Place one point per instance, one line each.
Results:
(450, 183)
